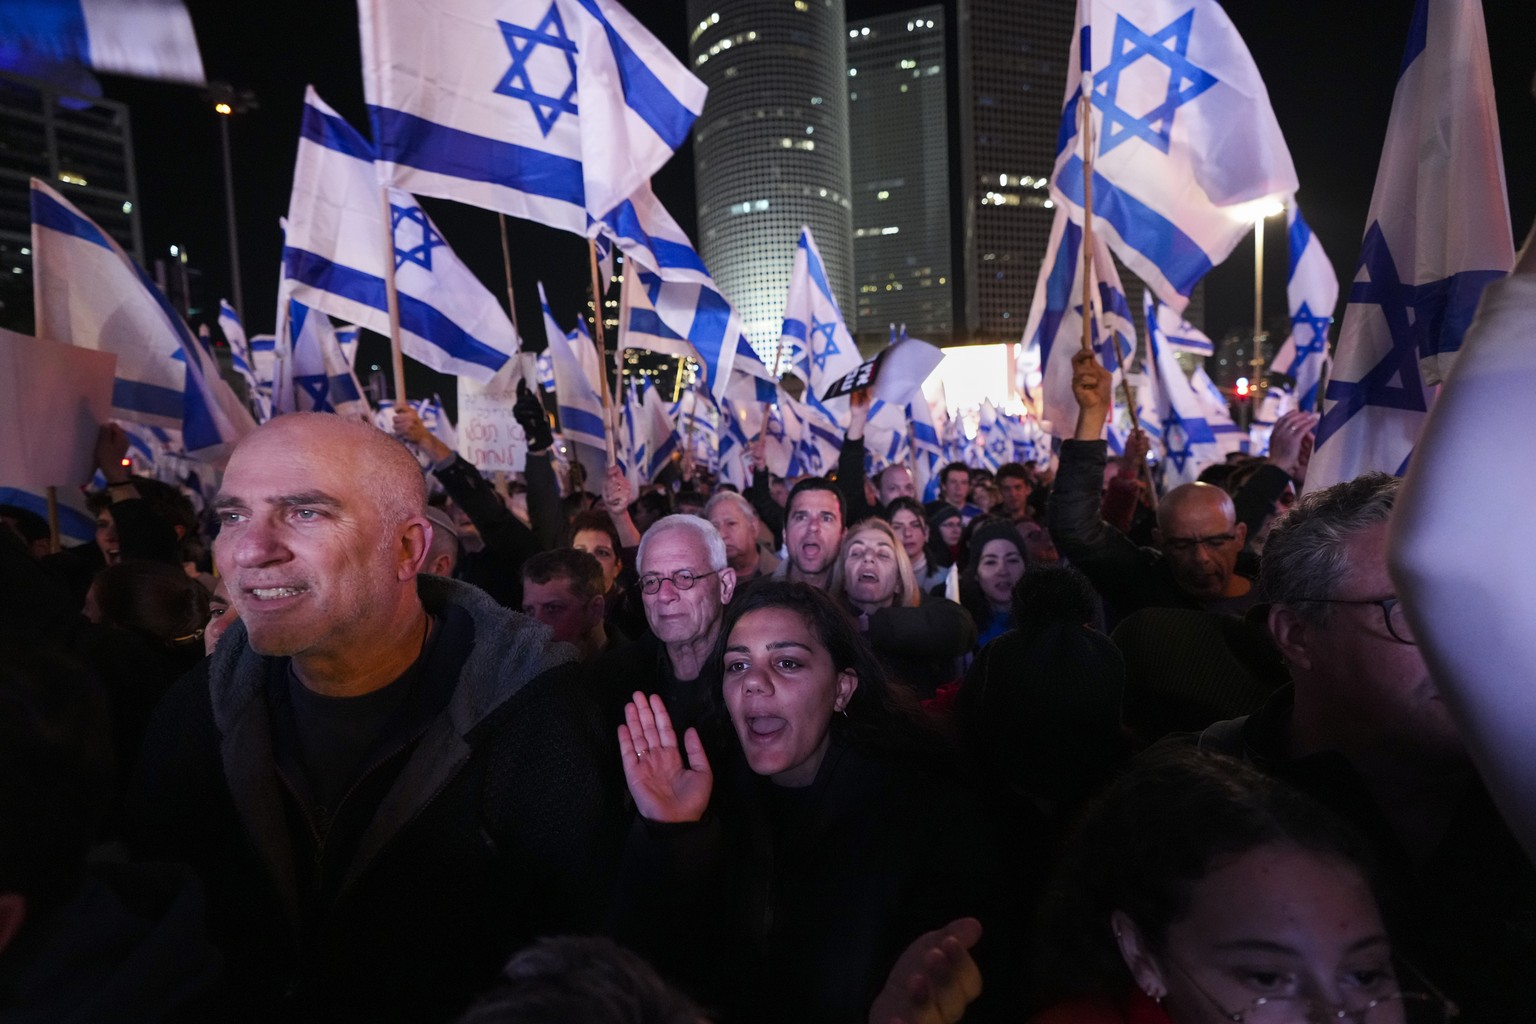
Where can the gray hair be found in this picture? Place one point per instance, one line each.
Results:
(741, 504)
(702, 529)
(1304, 555)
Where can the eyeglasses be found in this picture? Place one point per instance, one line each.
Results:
(1391, 612)
(682, 580)
(1184, 545)
(1358, 1007)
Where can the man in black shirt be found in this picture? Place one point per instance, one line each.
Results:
(386, 783)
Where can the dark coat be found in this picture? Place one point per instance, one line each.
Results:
(485, 823)
(793, 904)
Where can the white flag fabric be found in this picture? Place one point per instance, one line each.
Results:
(552, 110)
(77, 523)
(334, 249)
(649, 438)
(347, 336)
(239, 347)
(1193, 432)
(263, 355)
(1437, 234)
(815, 342)
(733, 463)
(578, 400)
(1185, 140)
(143, 38)
(1312, 290)
(1181, 335)
(89, 292)
(1055, 324)
(320, 379)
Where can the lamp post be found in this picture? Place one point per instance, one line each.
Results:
(228, 101)
(1270, 208)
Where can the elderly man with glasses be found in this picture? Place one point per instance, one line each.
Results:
(1363, 728)
(685, 582)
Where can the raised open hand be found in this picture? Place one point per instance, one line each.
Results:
(934, 980)
(664, 787)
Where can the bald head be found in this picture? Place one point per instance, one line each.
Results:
(1198, 531)
(321, 538)
(1187, 500)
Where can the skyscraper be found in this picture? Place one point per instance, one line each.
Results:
(899, 121)
(1013, 69)
(771, 150)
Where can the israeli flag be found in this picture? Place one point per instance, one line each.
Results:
(733, 468)
(77, 523)
(334, 253)
(578, 400)
(1185, 141)
(1181, 335)
(815, 342)
(1055, 324)
(650, 237)
(927, 449)
(143, 38)
(649, 438)
(698, 420)
(689, 321)
(346, 337)
(263, 355)
(1437, 234)
(1191, 431)
(239, 347)
(90, 293)
(552, 110)
(1312, 289)
(321, 380)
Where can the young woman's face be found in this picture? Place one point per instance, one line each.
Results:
(782, 690)
(1000, 567)
(1296, 928)
(913, 531)
(869, 569)
(950, 531)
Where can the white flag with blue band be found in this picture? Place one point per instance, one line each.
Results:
(1312, 289)
(320, 379)
(578, 400)
(552, 110)
(334, 254)
(814, 341)
(1184, 137)
(687, 321)
(1437, 234)
(90, 293)
(144, 38)
(1191, 431)
(1055, 325)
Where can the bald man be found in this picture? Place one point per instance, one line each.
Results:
(1198, 538)
(384, 779)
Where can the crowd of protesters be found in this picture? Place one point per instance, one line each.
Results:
(365, 739)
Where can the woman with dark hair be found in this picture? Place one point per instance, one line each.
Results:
(785, 887)
(1199, 890)
(996, 561)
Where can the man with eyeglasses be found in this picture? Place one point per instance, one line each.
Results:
(1363, 728)
(1198, 537)
(685, 582)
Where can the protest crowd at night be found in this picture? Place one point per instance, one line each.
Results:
(785, 690)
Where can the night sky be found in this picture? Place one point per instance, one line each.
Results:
(1330, 76)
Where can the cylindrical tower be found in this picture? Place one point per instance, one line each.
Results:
(771, 150)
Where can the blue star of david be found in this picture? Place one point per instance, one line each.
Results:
(825, 328)
(1169, 45)
(421, 254)
(1311, 334)
(1176, 441)
(812, 456)
(774, 428)
(318, 388)
(518, 84)
(1400, 362)
(998, 446)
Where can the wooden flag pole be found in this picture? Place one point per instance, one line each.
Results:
(41, 326)
(598, 335)
(397, 358)
(506, 264)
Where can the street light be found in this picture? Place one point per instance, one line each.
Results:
(228, 101)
